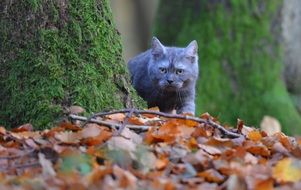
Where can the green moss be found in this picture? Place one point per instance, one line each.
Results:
(240, 58)
(59, 55)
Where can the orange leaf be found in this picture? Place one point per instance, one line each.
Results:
(135, 121)
(267, 184)
(151, 115)
(254, 136)
(22, 128)
(258, 150)
(284, 140)
(161, 163)
(70, 126)
(99, 139)
(117, 117)
(2, 130)
(200, 132)
(192, 143)
(206, 116)
(168, 133)
(212, 175)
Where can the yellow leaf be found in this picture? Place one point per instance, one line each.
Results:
(287, 170)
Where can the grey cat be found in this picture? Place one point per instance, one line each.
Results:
(166, 76)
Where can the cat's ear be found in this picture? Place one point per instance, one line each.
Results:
(191, 51)
(157, 48)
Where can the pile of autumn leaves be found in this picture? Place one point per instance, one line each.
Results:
(172, 154)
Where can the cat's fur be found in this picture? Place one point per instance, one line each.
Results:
(166, 76)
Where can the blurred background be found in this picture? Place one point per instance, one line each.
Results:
(250, 52)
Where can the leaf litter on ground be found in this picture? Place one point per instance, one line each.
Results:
(172, 154)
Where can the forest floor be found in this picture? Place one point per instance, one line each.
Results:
(146, 149)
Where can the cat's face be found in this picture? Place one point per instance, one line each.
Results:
(173, 69)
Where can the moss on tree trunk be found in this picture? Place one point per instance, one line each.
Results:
(57, 53)
(240, 58)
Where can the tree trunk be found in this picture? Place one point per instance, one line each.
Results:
(291, 26)
(240, 58)
(58, 53)
(134, 19)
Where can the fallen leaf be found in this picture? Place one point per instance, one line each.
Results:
(212, 175)
(91, 130)
(68, 137)
(22, 128)
(46, 165)
(254, 136)
(126, 179)
(287, 170)
(76, 110)
(161, 163)
(267, 184)
(69, 126)
(270, 125)
(236, 183)
(117, 117)
(210, 149)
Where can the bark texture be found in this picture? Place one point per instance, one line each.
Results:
(58, 53)
(291, 27)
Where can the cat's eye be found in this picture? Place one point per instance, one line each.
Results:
(179, 71)
(163, 70)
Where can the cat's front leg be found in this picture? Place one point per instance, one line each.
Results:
(187, 106)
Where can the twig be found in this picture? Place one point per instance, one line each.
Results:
(125, 121)
(16, 156)
(108, 124)
(21, 166)
(167, 115)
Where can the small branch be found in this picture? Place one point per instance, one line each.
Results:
(17, 156)
(21, 166)
(125, 121)
(166, 115)
(108, 124)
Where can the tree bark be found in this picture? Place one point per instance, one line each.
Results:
(291, 26)
(58, 53)
(240, 57)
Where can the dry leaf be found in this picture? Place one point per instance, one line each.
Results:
(254, 136)
(46, 165)
(287, 170)
(270, 125)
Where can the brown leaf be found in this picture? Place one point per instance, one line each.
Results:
(125, 178)
(76, 110)
(210, 149)
(22, 128)
(258, 150)
(270, 125)
(68, 137)
(161, 163)
(236, 183)
(239, 125)
(117, 117)
(267, 184)
(102, 137)
(70, 126)
(212, 175)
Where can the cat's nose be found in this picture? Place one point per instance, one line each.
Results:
(170, 81)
